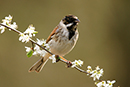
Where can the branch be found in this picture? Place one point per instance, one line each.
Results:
(11, 28)
(26, 37)
(83, 71)
(59, 58)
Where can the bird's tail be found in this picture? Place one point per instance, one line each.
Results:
(38, 65)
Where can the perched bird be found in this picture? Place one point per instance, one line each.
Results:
(61, 40)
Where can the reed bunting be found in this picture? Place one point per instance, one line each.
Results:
(61, 40)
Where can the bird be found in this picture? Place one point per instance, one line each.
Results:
(61, 40)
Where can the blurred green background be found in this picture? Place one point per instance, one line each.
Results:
(104, 40)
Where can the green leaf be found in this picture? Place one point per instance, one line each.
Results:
(29, 54)
(35, 32)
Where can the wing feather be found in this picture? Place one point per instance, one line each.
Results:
(52, 33)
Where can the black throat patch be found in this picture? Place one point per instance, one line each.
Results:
(71, 34)
(72, 30)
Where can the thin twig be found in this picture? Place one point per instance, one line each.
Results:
(83, 71)
(11, 28)
(41, 46)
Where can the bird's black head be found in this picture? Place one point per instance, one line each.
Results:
(70, 19)
(71, 23)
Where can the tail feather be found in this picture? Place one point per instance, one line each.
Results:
(38, 65)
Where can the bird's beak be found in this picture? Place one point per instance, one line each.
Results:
(77, 20)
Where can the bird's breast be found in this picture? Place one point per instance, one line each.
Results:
(60, 43)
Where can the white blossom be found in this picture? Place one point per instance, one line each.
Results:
(110, 83)
(14, 26)
(53, 58)
(2, 28)
(38, 50)
(41, 53)
(47, 46)
(7, 22)
(28, 49)
(97, 68)
(95, 74)
(41, 42)
(89, 68)
(24, 38)
(101, 84)
(9, 18)
(77, 63)
(30, 31)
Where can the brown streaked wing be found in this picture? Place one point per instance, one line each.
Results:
(52, 33)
